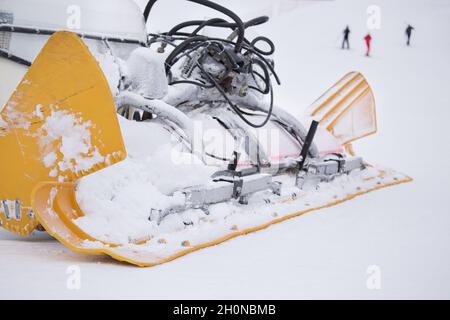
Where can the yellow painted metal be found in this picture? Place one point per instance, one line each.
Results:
(65, 81)
(325, 99)
(347, 109)
(56, 206)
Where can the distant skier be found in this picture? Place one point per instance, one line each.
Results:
(368, 39)
(345, 41)
(408, 32)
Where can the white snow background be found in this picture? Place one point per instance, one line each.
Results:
(403, 230)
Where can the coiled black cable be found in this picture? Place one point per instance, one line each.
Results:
(180, 48)
(247, 55)
(232, 15)
(239, 23)
(266, 40)
(238, 111)
(215, 22)
(265, 77)
(210, 22)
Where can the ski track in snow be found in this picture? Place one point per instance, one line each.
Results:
(403, 230)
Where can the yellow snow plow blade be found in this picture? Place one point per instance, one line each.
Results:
(57, 208)
(58, 126)
(347, 109)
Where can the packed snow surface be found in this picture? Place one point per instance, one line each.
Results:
(120, 215)
(117, 201)
(402, 231)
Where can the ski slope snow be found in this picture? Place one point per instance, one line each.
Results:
(400, 234)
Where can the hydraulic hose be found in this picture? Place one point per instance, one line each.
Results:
(266, 40)
(229, 13)
(236, 109)
(180, 48)
(191, 41)
(265, 78)
(148, 9)
(256, 21)
(215, 22)
(239, 23)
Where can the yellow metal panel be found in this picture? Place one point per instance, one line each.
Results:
(350, 101)
(65, 81)
(325, 100)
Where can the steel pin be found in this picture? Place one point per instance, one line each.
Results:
(6, 209)
(17, 209)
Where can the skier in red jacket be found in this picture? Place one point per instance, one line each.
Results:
(368, 39)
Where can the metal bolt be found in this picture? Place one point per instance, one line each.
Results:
(17, 209)
(6, 209)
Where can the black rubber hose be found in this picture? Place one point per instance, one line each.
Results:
(215, 22)
(266, 40)
(255, 73)
(180, 48)
(238, 111)
(205, 23)
(265, 78)
(229, 13)
(250, 23)
(217, 7)
(183, 25)
(270, 66)
(187, 52)
(148, 9)
(199, 84)
(256, 21)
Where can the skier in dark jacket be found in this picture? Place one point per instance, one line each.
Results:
(408, 32)
(345, 42)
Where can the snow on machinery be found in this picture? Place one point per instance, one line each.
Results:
(195, 93)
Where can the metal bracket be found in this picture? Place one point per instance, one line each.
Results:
(237, 188)
(6, 209)
(327, 169)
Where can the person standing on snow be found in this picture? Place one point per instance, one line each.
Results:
(408, 32)
(368, 39)
(345, 42)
